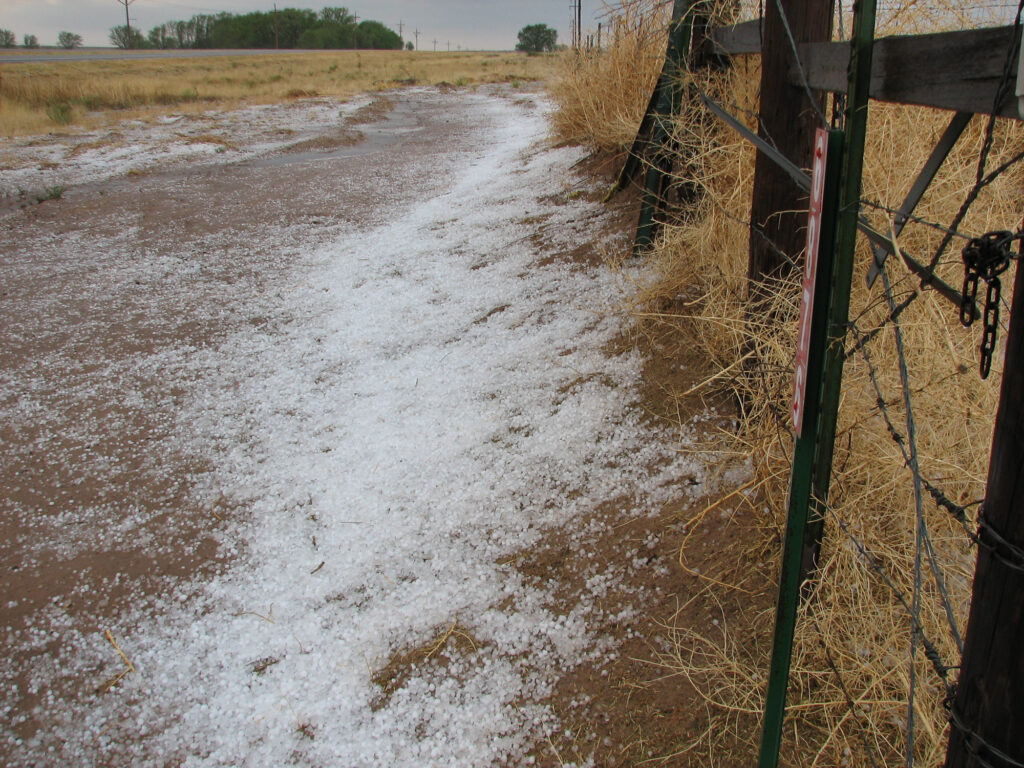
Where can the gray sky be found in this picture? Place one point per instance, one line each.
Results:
(478, 24)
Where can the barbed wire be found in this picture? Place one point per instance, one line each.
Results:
(968, 516)
(982, 179)
(931, 651)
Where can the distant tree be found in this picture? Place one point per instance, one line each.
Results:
(336, 28)
(409, 46)
(31, 41)
(332, 27)
(7, 39)
(339, 16)
(373, 34)
(291, 23)
(535, 38)
(258, 29)
(127, 38)
(69, 40)
(320, 37)
(163, 37)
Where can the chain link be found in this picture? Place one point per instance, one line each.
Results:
(985, 258)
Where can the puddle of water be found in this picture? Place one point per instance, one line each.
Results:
(377, 137)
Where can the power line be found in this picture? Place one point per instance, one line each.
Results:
(127, 23)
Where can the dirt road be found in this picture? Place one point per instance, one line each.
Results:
(281, 420)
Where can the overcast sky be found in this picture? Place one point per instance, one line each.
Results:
(477, 24)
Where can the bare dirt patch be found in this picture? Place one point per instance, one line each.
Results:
(372, 112)
(453, 641)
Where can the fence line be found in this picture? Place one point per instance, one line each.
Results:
(968, 516)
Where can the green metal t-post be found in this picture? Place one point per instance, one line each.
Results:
(846, 243)
(669, 99)
(812, 461)
(792, 572)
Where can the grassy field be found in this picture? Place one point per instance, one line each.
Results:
(41, 97)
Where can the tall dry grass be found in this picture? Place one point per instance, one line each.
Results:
(40, 97)
(854, 636)
(603, 94)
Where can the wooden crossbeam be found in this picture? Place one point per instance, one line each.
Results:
(958, 70)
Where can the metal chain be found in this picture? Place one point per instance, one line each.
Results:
(985, 258)
(981, 179)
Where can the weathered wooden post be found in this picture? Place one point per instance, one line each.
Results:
(788, 119)
(987, 714)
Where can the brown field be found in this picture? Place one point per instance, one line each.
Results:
(41, 97)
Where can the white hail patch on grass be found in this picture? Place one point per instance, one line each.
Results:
(76, 156)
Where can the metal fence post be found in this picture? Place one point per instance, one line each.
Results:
(792, 573)
(806, 524)
(666, 107)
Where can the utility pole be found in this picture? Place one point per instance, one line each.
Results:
(572, 23)
(449, 46)
(400, 31)
(788, 119)
(417, 33)
(435, 45)
(127, 23)
(985, 714)
(579, 23)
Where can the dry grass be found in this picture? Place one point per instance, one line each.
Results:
(602, 95)
(854, 623)
(36, 98)
(451, 642)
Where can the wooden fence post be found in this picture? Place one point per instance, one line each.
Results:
(986, 713)
(787, 119)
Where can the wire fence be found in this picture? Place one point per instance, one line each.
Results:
(904, 522)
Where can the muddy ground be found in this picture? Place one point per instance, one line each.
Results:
(76, 323)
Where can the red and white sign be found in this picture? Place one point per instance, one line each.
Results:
(810, 274)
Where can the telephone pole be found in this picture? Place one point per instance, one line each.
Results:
(400, 31)
(576, 23)
(127, 23)
(573, 29)
(579, 23)
(435, 45)
(417, 33)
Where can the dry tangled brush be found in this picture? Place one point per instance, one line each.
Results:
(852, 671)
